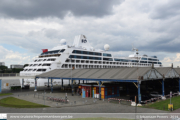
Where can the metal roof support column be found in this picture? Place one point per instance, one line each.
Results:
(0, 86)
(62, 82)
(72, 87)
(35, 89)
(99, 90)
(139, 92)
(83, 81)
(22, 82)
(48, 82)
(69, 82)
(163, 87)
(179, 85)
(127, 88)
(51, 86)
(79, 81)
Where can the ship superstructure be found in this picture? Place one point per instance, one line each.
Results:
(82, 56)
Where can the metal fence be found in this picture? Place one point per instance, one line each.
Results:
(8, 74)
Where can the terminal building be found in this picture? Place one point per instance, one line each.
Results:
(16, 66)
(2, 63)
(142, 79)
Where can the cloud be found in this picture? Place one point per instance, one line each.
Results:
(167, 9)
(11, 57)
(30, 9)
(169, 60)
(35, 25)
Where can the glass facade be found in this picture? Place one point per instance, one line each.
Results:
(84, 57)
(106, 54)
(86, 52)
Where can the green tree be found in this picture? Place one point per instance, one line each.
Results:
(3, 68)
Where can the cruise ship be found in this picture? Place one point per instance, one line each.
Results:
(81, 55)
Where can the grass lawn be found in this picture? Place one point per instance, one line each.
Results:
(18, 103)
(4, 94)
(99, 119)
(164, 103)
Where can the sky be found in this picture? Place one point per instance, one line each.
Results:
(152, 26)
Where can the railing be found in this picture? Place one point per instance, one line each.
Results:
(8, 74)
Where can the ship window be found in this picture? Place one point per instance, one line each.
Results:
(109, 59)
(35, 60)
(143, 61)
(39, 65)
(46, 65)
(29, 69)
(44, 60)
(34, 70)
(34, 64)
(86, 52)
(143, 58)
(62, 50)
(124, 60)
(39, 60)
(51, 59)
(41, 70)
(51, 52)
(85, 57)
(106, 54)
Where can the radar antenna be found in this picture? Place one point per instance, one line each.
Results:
(135, 50)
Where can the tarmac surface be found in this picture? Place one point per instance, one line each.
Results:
(76, 104)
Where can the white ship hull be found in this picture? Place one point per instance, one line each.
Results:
(81, 56)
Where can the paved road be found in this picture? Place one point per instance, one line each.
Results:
(99, 107)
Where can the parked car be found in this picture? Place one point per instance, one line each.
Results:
(144, 98)
(155, 94)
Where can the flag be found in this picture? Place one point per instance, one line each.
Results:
(45, 50)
